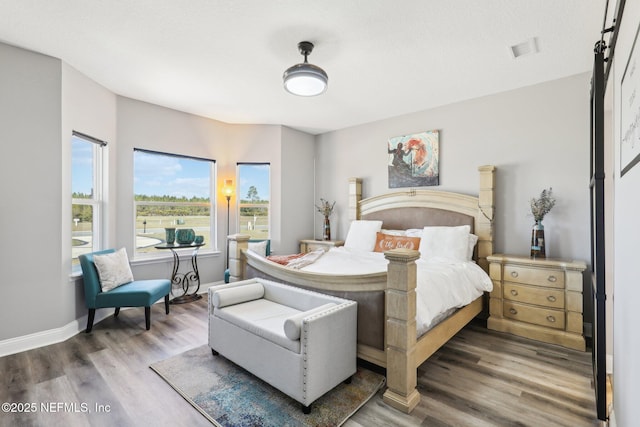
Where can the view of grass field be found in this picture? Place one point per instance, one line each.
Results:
(150, 231)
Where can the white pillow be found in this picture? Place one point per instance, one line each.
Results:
(413, 232)
(473, 239)
(293, 324)
(113, 269)
(362, 235)
(237, 295)
(445, 242)
(395, 232)
(259, 247)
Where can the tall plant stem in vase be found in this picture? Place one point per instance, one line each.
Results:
(539, 208)
(326, 228)
(326, 208)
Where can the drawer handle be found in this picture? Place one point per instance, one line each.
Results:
(513, 311)
(552, 279)
(551, 319)
(514, 292)
(551, 298)
(514, 274)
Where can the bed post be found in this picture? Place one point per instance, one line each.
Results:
(355, 195)
(237, 261)
(401, 330)
(484, 218)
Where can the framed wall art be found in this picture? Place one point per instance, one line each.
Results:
(413, 160)
(630, 111)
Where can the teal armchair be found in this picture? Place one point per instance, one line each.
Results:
(139, 293)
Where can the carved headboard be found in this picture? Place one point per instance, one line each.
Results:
(418, 208)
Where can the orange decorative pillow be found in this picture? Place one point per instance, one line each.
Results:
(386, 242)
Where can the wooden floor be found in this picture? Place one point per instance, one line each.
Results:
(480, 378)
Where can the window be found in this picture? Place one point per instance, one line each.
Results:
(253, 196)
(171, 191)
(86, 195)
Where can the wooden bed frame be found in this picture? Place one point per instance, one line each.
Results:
(400, 351)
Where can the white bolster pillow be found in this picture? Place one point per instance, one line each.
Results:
(237, 295)
(293, 324)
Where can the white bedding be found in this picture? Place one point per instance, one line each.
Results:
(443, 284)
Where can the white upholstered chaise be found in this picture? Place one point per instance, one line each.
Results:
(301, 342)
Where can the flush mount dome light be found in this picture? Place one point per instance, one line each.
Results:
(305, 79)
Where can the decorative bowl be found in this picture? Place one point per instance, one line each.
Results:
(185, 236)
(199, 239)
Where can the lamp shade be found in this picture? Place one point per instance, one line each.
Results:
(305, 80)
(228, 188)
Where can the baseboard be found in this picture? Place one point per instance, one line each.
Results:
(611, 422)
(609, 364)
(53, 336)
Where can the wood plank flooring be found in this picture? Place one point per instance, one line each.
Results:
(480, 378)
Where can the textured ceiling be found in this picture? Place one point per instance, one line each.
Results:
(224, 59)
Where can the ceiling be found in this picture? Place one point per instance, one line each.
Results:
(224, 59)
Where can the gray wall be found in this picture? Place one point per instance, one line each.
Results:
(537, 137)
(30, 206)
(151, 127)
(91, 109)
(297, 200)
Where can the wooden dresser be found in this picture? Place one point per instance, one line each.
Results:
(537, 298)
(311, 245)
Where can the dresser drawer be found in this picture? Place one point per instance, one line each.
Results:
(534, 276)
(537, 315)
(547, 297)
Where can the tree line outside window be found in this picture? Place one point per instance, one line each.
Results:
(254, 199)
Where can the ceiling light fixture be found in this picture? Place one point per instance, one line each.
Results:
(305, 79)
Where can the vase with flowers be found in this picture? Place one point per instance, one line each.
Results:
(326, 208)
(539, 208)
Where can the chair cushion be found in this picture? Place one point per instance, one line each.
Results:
(263, 318)
(113, 269)
(139, 293)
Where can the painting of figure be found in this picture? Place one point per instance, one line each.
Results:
(413, 160)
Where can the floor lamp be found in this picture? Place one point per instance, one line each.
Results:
(228, 192)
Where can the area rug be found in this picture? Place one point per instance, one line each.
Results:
(229, 396)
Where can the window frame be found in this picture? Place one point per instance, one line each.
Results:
(239, 196)
(212, 244)
(97, 201)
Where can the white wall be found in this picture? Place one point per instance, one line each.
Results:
(626, 316)
(537, 136)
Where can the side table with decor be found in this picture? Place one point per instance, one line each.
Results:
(537, 298)
(184, 281)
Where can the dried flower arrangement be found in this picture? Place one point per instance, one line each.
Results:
(325, 207)
(540, 207)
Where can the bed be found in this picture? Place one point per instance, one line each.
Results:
(387, 328)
